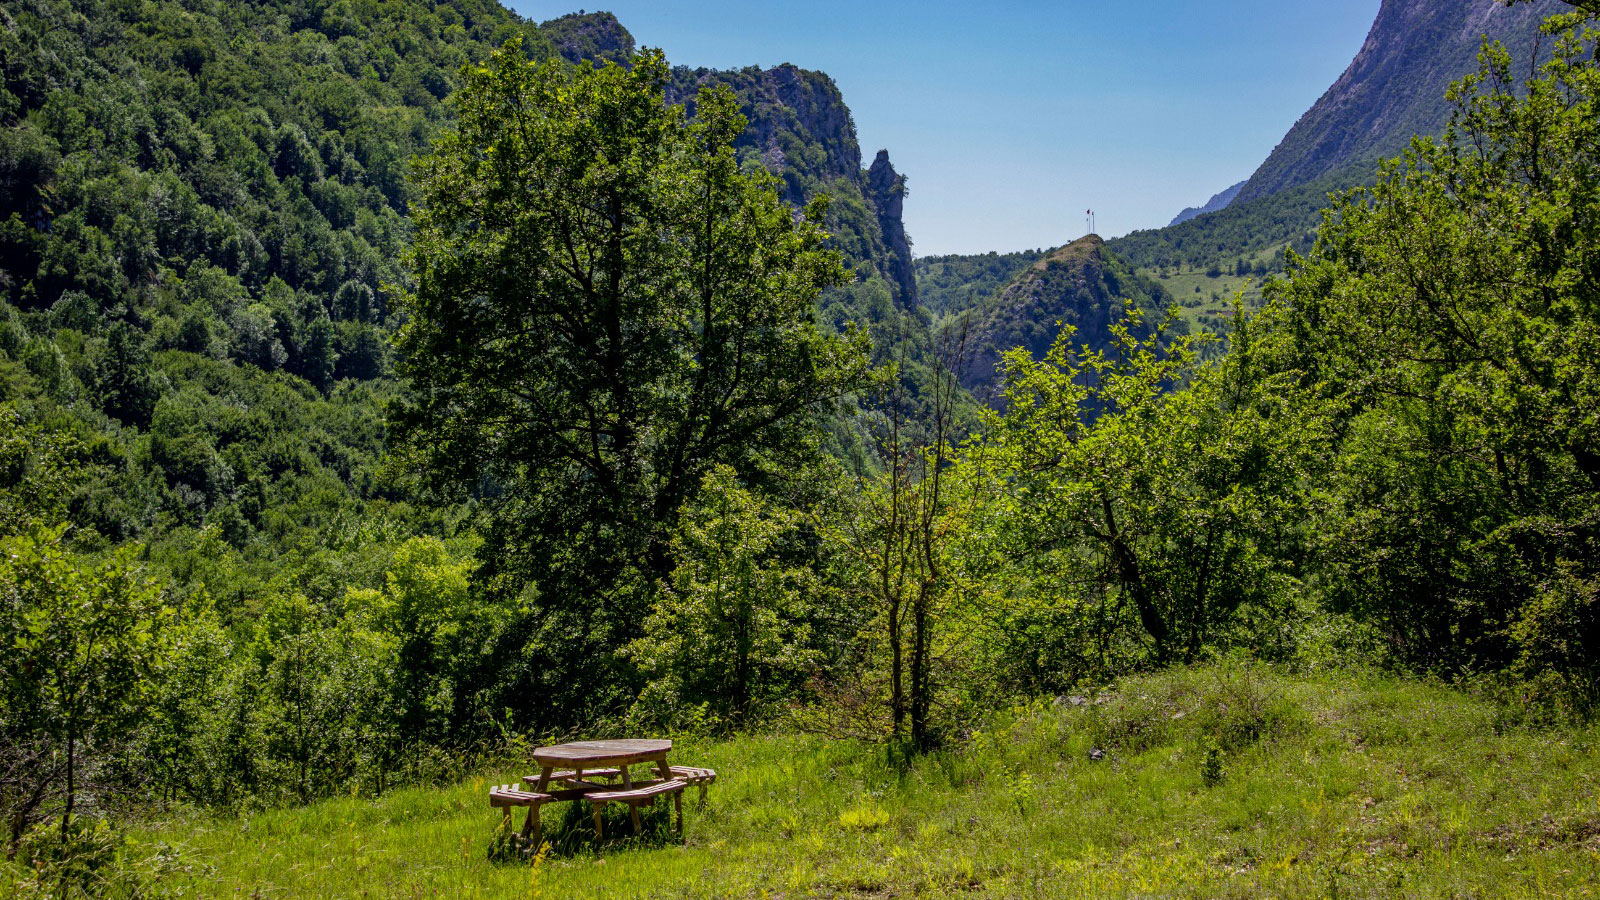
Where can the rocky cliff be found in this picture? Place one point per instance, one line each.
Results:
(887, 191)
(801, 130)
(1395, 87)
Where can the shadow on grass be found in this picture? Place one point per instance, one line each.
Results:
(569, 831)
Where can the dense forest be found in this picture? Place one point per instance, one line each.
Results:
(386, 384)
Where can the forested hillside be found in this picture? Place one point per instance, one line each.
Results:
(201, 231)
(955, 283)
(204, 226)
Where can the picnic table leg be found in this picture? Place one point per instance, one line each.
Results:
(662, 767)
(677, 805)
(633, 813)
(533, 827)
(544, 778)
(599, 830)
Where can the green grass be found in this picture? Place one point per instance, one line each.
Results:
(1216, 782)
(1207, 302)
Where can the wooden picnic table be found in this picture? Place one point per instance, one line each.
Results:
(581, 756)
(581, 762)
(584, 761)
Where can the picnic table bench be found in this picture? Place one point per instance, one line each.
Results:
(590, 771)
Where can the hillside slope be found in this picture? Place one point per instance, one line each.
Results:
(1196, 783)
(1079, 285)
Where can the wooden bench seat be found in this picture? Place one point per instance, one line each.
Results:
(697, 776)
(636, 797)
(506, 796)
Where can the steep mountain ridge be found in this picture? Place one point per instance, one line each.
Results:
(1395, 86)
(1393, 89)
(1218, 201)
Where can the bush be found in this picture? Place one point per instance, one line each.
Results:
(95, 860)
(1227, 710)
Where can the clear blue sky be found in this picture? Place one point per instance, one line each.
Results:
(1012, 118)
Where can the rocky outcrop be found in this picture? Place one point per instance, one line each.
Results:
(1395, 87)
(1215, 204)
(1081, 284)
(597, 37)
(887, 191)
(800, 129)
(798, 121)
(797, 127)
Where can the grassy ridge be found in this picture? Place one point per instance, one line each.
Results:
(1216, 782)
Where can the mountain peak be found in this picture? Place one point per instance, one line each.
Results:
(594, 36)
(1090, 246)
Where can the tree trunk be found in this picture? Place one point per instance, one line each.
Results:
(1133, 582)
(72, 787)
(920, 688)
(897, 697)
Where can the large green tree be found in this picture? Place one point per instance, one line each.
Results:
(605, 306)
(1156, 501)
(78, 641)
(1451, 317)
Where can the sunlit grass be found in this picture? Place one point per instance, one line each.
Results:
(1329, 786)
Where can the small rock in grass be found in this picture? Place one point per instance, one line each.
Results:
(1096, 754)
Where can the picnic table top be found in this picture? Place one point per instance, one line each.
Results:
(599, 752)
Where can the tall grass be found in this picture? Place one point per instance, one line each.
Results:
(1227, 781)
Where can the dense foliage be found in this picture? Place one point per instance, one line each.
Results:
(1449, 318)
(953, 284)
(606, 307)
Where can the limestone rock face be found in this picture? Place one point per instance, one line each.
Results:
(887, 190)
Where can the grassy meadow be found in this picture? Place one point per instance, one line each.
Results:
(1219, 781)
